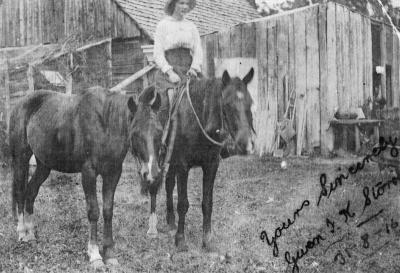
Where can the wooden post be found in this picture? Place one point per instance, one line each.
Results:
(30, 79)
(68, 89)
(357, 137)
(109, 64)
(145, 77)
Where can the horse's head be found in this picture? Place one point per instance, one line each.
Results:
(145, 136)
(237, 103)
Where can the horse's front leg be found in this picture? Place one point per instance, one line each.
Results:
(152, 232)
(89, 187)
(110, 182)
(183, 206)
(209, 173)
(169, 188)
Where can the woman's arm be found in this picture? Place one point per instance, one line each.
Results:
(197, 51)
(159, 56)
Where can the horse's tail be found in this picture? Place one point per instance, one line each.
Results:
(19, 149)
(12, 147)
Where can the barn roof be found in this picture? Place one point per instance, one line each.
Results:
(209, 15)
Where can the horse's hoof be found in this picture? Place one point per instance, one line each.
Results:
(112, 261)
(97, 264)
(182, 247)
(152, 234)
(208, 245)
(21, 237)
(172, 226)
(181, 244)
(27, 238)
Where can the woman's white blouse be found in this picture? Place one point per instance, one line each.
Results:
(171, 33)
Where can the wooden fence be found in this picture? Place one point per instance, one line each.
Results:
(323, 52)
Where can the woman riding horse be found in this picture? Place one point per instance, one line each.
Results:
(177, 50)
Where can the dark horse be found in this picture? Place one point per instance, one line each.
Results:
(222, 106)
(88, 133)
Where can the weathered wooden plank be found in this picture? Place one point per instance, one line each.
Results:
(114, 18)
(360, 62)
(45, 6)
(347, 88)
(101, 18)
(301, 76)
(224, 41)
(11, 23)
(17, 24)
(326, 133)
(339, 57)
(368, 60)
(395, 70)
(236, 41)
(272, 91)
(364, 56)
(23, 23)
(282, 71)
(29, 24)
(40, 19)
(261, 111)
(5, 25)
(249, 40)
(57, 27)
(34, 4)
(66, 18)
(108, 13)
(210, 53)
(314, 112)
(291, 79)
(350, 69)
(389, 62)
(2, 36)
(383, 61)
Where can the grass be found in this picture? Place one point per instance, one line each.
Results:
(250, 195)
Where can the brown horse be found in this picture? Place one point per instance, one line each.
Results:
(88, 133)
(220, 105)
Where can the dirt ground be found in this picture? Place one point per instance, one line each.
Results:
(250, 195)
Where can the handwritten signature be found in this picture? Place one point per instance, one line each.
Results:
(370, 195)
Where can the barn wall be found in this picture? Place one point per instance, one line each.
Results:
(127, 59)
(323, 52)
(27, 22)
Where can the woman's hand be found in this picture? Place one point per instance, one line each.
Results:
(172, 76)
(192, 72)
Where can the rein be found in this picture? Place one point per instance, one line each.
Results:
(221, 144)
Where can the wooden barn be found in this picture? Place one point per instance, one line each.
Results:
(331, 58)
(67, 45)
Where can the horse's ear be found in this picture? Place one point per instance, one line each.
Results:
(157, 102)
(148, 95)
(249, 76)
(226, 78)
(132, 105)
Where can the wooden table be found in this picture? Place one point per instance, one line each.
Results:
(357, 123)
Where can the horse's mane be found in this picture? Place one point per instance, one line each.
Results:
(110, 107)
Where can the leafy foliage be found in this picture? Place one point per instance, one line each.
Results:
(372, 8)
